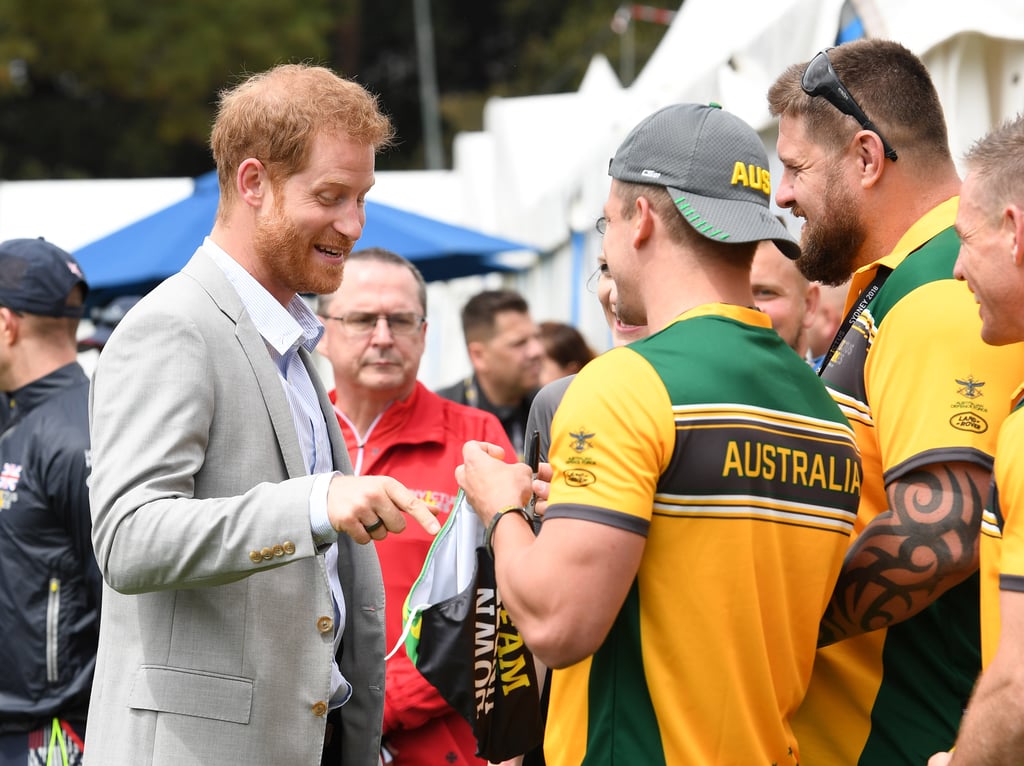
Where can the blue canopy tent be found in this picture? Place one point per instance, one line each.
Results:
(136, 258)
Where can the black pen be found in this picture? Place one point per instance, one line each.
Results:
(533, 460)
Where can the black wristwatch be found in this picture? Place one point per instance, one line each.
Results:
(489, 533)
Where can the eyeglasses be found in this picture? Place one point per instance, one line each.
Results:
(601, 225)
(820, 79)
(364, 322)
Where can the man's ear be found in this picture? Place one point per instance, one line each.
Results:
(10, 325)
(252, 182)
(642, 223)
(870, 157)
(476, 350)
(1014, 218)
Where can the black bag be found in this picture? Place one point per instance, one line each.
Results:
(461, 639)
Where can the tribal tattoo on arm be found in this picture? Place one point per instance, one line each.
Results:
(911, 554)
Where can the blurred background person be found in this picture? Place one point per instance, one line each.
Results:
(828, 317)
(543, 411)
(505, 351)
(375, 331)
(565, 351)
(785, 295)
(105, 319)
(548, 398)
(50, 583)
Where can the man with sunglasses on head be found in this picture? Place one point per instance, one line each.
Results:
(375, 331)
(866, 164)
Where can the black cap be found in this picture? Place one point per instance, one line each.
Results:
(37, 277)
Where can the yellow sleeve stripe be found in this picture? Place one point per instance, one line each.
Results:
(854, 409)
(753, 507)
(990, 524)
(746, 413)
(747, 507)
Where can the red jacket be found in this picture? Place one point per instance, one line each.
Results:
(419, 442)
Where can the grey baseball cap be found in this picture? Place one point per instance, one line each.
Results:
(714, 166)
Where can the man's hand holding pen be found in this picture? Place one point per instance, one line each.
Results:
(491, 484)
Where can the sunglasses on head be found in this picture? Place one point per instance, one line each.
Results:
(820, 79)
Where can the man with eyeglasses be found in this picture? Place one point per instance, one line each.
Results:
(866, 164)
(394, 426)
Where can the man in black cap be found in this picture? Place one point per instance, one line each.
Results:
(703, 483)
(49, 582)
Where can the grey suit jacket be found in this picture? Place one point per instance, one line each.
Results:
(216, 633)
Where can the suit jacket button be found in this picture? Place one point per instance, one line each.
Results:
(278, 551)
(255, 557)
(289, 547)
(325, 624)
(267, 554)
(319, 708)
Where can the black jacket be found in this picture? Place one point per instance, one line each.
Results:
(513, 418)
(49, 583)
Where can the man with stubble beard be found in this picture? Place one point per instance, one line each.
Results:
(243, 613)
(900, 637)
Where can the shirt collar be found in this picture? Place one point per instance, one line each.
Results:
(282, 327)
(31, 394)
(927, 227)
(744, 314)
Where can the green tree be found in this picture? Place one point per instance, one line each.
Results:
(123, 88)
(101, 88)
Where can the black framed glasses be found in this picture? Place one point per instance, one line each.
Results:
(820, 79)
(365, 322)
(601, 224)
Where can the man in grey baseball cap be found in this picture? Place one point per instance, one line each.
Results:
(689, 544)
(714, 166)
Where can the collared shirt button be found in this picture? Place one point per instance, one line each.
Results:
(325, 624)
(289, 547)
(278, 551)
(319, 708)
(255, 557)
(267, 554)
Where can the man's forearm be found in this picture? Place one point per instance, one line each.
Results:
(992, 732)
(908, 556)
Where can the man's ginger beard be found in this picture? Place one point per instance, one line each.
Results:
(285, 252)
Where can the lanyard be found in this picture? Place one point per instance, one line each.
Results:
(869, 293)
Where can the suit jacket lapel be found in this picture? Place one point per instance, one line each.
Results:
(202, 268)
